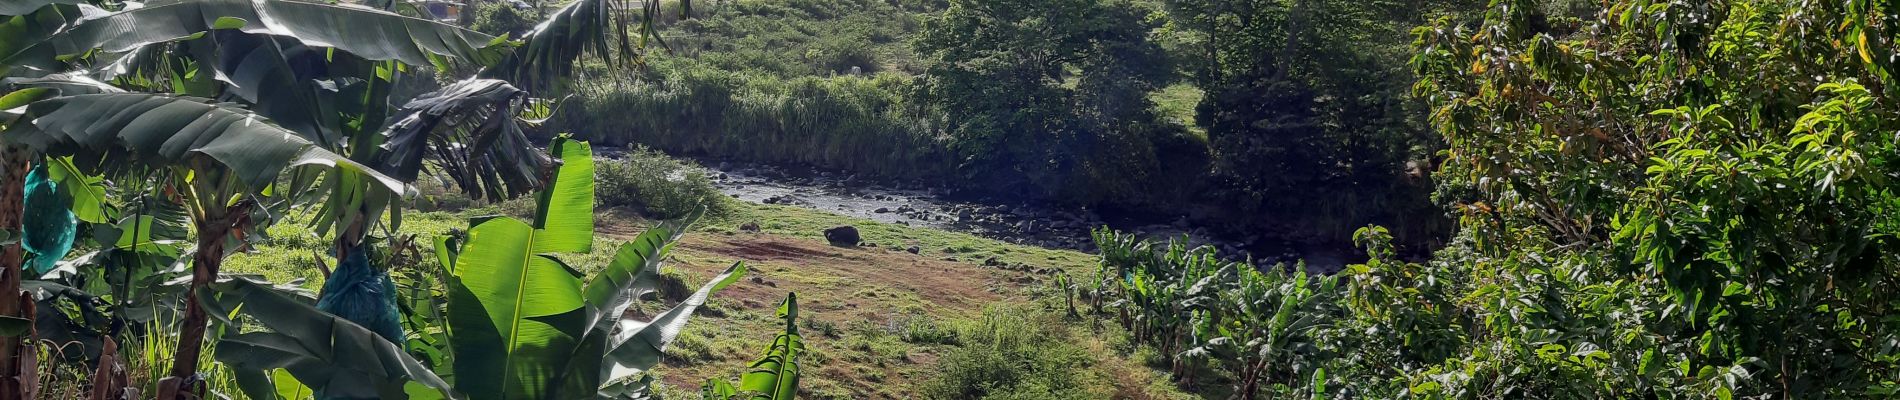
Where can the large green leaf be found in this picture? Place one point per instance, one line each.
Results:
(27, 29)
(516, 310)
(170, 130)
(634, 272)
(470, 129)
(251, 66)
(277, 384)
(88, 192)
(566, 211)
(367, 33)
(321, 350)
(775, 377)
(514, 313)
(638, 346)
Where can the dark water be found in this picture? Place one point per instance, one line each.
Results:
(1022, 223)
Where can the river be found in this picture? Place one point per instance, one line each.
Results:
(1018, 222)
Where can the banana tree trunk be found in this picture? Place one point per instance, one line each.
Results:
(212, 231)
(14, 163)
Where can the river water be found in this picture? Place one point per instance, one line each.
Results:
(1022, 223)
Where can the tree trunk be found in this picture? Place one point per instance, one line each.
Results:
(14, 163)
(191, 337)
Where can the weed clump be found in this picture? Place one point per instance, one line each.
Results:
(1015, 353)
(656, 186)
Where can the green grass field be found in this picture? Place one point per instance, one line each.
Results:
(879, 321)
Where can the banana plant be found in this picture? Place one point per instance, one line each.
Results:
(521, 322)
(772, 377)
(223, 162)
(1259, 323)
(328, 70)
(525, 324)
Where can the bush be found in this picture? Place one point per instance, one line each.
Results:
(501, 17)
(1012, 353)
(439, 195)
(655, 185)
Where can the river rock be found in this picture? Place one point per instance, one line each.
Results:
(843, 236)
(882, 210)
(963, 215)
(914, 249)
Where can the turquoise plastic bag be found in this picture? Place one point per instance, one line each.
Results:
(48, 225)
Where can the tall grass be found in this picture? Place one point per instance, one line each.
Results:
(857, 123)
(1016, 353)
(146, 357)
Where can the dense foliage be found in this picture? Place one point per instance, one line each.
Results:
(1665, 200)
(207, 125)
(1278, 117)
(1050, 98)
(1307, 111)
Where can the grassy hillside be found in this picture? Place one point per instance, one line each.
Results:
(880, 321)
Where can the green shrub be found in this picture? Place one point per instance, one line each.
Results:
(437, 195)
(656, 185)
(1013, 353)
(501, 17)
(924, 329)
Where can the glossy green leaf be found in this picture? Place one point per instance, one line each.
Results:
(514, 312)
(88, 192)
(565, 214)
(775, 377)
(633, 272)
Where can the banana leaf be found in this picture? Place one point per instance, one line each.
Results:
(368, 33)
(548, 54)
(161, 130)
(470, 129)
(775, 377)
(321, 350)
(23, 7)
(638, 346)
(516, 310)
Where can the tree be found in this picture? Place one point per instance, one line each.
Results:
(1307, 112)
(1048, 98)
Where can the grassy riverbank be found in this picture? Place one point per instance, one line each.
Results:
(881, 322)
